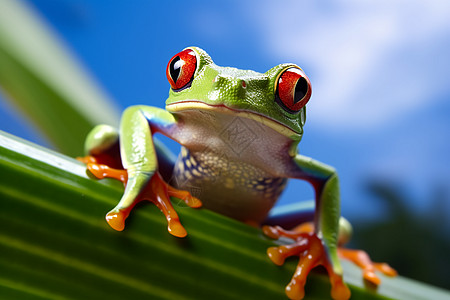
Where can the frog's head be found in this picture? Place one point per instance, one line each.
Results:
(276, 98)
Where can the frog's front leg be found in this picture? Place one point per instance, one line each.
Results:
(138, 156)
(320, 246)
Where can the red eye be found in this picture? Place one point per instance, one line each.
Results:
(180, 69)
(293, 90)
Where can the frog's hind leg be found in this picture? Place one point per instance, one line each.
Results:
(290, 215)
(360, 257)
(103, 154)
(102, 147)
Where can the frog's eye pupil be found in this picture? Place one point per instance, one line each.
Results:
(301, 89)
(181, 69)
(175, 68)
(293, 90)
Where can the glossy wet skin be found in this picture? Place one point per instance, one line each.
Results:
(242, 91)
(239, 131)
(237, 138)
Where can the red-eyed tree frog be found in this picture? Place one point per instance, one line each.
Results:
(239, 132)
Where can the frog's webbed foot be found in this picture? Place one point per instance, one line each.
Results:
(156, 191)
(362, 260)
(312, 253)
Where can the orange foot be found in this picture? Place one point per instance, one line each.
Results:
(362, 259)
(157, 191)
(312, 253)
(87, 159)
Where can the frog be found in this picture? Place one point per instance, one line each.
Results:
(239, 132)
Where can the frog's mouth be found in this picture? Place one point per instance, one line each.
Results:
(221, 108)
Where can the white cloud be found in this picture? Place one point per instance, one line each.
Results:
(370, 61)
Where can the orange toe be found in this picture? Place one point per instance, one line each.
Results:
(116, 219)
(362, 260)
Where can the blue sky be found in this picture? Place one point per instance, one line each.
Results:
(380, 72)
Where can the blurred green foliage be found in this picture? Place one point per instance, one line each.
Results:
(417, 244)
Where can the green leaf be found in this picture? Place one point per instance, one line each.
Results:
(55, 244)
(45, 82)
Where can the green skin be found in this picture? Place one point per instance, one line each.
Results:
(239, 147)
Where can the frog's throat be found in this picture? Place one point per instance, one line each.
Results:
(221, 108)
